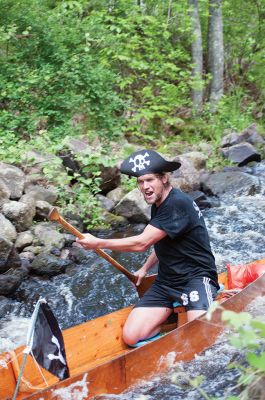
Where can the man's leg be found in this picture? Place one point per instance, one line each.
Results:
(144, 322)
(192, 314)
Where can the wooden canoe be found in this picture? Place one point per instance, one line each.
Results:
(100, 362)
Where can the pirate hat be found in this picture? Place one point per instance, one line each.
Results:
(147, 162)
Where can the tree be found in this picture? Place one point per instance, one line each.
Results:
(197, 55)
(215, 52)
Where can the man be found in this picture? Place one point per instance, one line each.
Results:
(187, 272)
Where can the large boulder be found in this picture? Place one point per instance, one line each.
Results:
(196, 158)
(39, 161)
(14, 179)
(187, 177)
(5, 249)
(24, 239)
(20, 214)
(5, 192)
(49, 265)
(40, 193)
(250, 135)
(11, 281)
(8, 230)
(241, 154)
(46, 235)
(133, 207)
(116, 195)
(233, 182)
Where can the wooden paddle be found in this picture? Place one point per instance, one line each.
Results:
(146, 281)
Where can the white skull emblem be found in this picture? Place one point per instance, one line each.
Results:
(139, 162)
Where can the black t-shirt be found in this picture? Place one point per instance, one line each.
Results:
(185, 252)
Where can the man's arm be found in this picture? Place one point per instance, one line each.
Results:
(150, 262)
(142, 242)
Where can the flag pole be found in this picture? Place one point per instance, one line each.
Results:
(28, 347)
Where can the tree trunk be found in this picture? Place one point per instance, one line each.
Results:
(197, 56)
(215, 52)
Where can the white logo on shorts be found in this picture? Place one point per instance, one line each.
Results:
(194, 296)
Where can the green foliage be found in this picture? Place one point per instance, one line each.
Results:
(250, 336)
(107, 69)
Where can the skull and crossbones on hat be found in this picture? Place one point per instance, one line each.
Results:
(144, 162)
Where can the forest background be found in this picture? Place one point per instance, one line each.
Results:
(145, 72)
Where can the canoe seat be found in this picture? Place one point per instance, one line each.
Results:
(179, 308)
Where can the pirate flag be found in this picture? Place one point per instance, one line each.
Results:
(144, 162)
(47, 343)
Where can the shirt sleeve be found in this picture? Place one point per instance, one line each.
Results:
(173, 219)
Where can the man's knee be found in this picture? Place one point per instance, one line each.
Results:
(130, 337)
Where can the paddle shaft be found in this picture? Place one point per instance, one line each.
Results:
(100, 252)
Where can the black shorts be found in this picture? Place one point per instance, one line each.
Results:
(197, 294)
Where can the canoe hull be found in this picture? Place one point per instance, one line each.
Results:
(116, 375)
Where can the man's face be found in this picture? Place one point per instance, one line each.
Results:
(152, 188)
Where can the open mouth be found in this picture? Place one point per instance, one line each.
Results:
(148, 195)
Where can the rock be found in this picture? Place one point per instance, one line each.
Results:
(196, 158)
(8, 230)
(133, 207)
(5, 192)
(106, 203)
(41, 193)
(29, 200)
(35, 250)
(50, 162)
(14, 179)
(232, 182)
(241, 154)
(110, 178)
(113, 220)
(46, 235)
(5, 249)
(24, 239)
(20, 214)
(200, 199)
(13, 260)
(186, 178)
(230, 140)
(249, 135)
(48, 265)
(116, 195)
(42, 209)
(11, 281)
(27, 256)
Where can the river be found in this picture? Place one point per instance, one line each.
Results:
(94, 288)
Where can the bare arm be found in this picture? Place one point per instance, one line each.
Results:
(150, 262)
(142, 242)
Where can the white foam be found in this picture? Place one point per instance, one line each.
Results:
(13, 333)
(76, 391)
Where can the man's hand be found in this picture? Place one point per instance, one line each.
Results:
(89, 242)
(140, 275)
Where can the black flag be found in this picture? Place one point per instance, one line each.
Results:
(48, 344)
